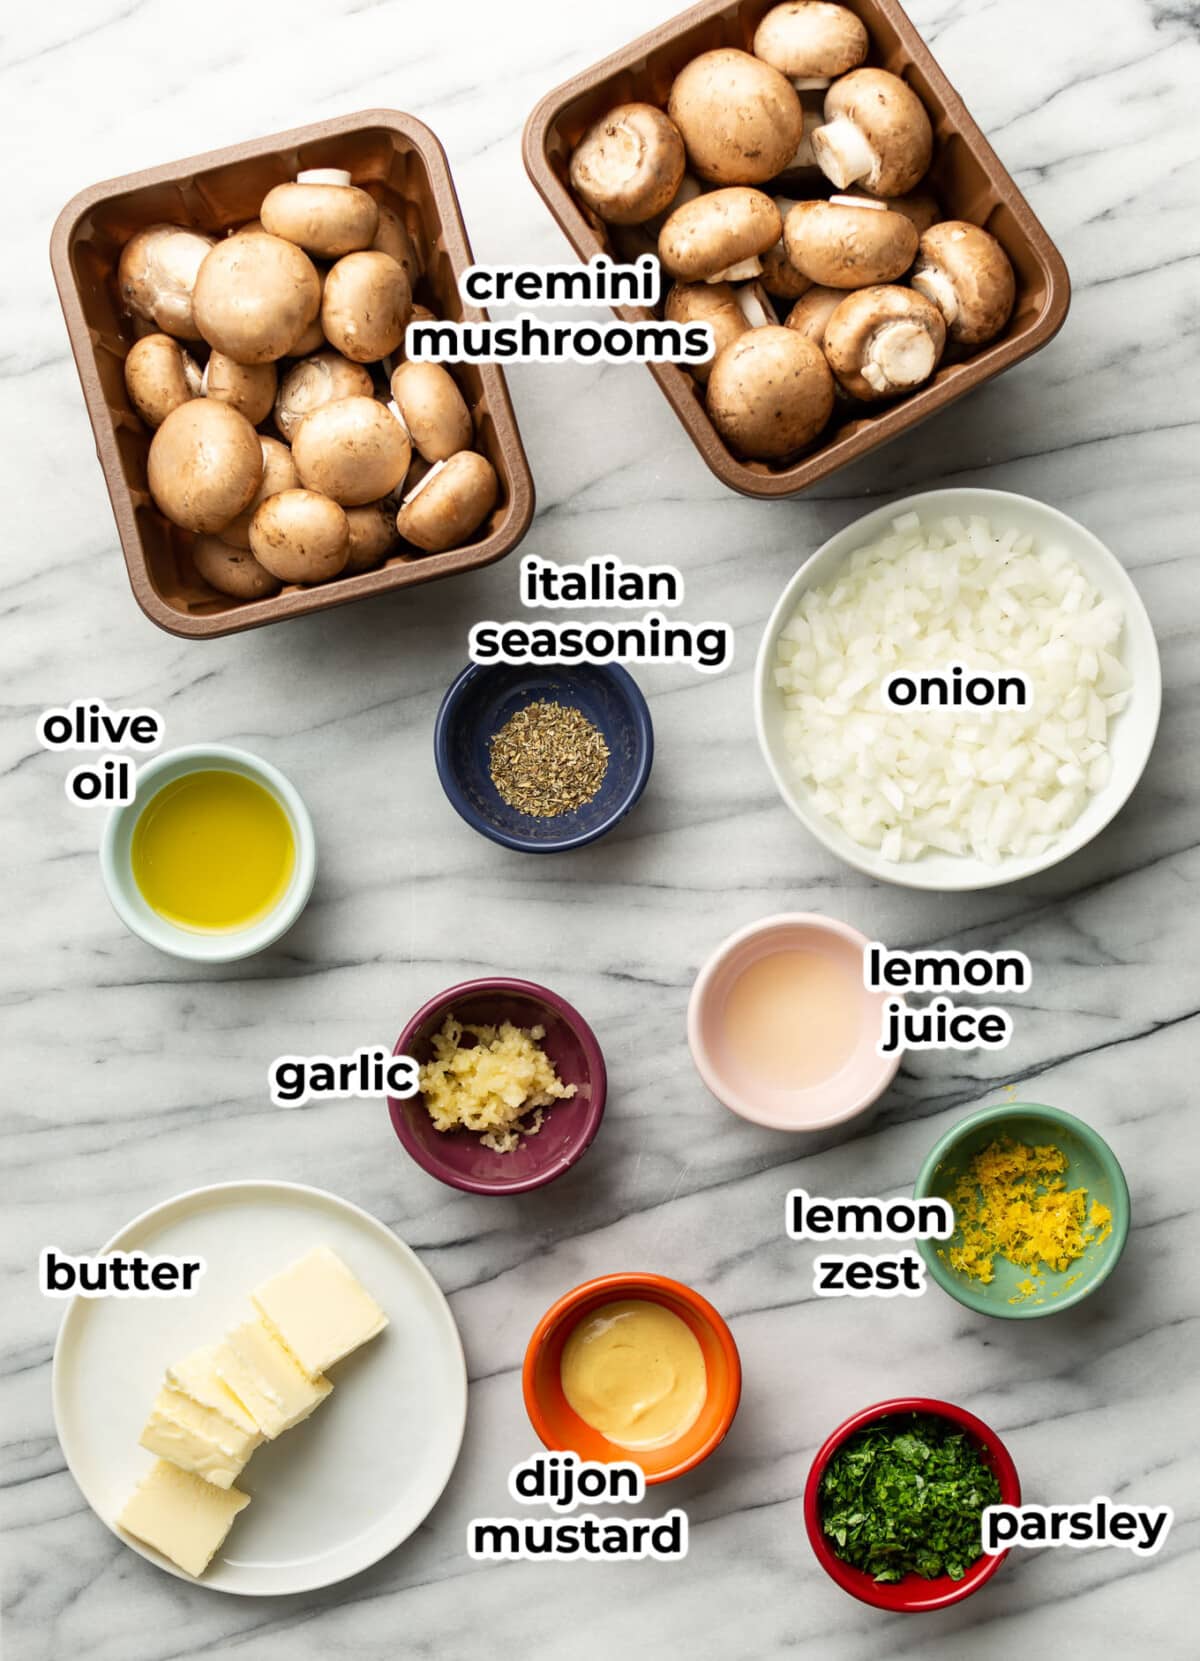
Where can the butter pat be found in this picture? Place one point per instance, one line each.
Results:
(181, 1515)
(266, 1379)
(198, 1439)
(196, 1376)
(319, 1310)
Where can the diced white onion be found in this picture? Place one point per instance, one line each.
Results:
(990, 782)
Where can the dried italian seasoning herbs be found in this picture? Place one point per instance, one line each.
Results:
(906, 1496)
(548, 759)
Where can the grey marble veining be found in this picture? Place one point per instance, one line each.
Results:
(130, 1077)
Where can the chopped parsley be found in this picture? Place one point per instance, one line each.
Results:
(905, 1496)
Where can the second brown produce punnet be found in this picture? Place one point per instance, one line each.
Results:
(817, 192)
(238, 322)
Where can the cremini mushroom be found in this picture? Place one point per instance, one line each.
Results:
(156, 277)
(205, 464)
(740, 119)
(629, 164)
(968, 276)
(883, 341)
(849, 243)
(255, 296)
(372, 533)
(278, 473)
(450, 502)
(232, 571)
(249, 387)
(315, 381)
(433, 409)
(811, 42)
(354, 450)
(712, 303)
(393, 237)
(313, 338)
(779, 275)
(770, 393)
(159, 376)
(366, 306)
(300, 536)
(813, 310)
(876, 134)
(322, 212)
(719, 237)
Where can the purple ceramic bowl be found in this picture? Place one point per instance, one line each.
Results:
(458, 1157)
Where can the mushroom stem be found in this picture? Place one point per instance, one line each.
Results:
(900, 354)
(755, 307)
(323, 176)
(843, 152)
(738, 272)
(197, 383)
(419, 487)
(810, 83)
(935, 285)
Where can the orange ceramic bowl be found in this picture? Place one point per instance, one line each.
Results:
(560, 1427)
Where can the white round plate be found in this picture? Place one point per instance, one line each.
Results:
(1131, 734)
(339, 1491)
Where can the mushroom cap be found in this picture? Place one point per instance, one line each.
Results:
(392, 237)
(968, 276)
(779, 276)
(300, 536)
(205, 464)
(452, 501)
(255, 295)
(770, 392)
(249, 387)
(326, 220)
(232, 571)
(811, 40)
(156, 276)
(629, 164)
(713, 303)
(712, 232)
(353, 450)
(159, 376)
(315, 381)
(848, 246)
(434, 410)
(279, 473)
(372, 533)
(812, 311)
(891, 134)
(366, 305)
(884, 341)
(740, 119)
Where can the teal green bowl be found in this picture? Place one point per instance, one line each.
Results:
(1091, 1165)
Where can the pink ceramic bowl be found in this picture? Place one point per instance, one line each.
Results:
(458, 1157)
(863, 1077)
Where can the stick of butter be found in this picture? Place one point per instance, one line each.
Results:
(181, 1515)
(266, 1380)
(319, 1310)
(197, 1439)
(196, 1376)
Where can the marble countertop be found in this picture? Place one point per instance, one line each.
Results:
(130, 1076)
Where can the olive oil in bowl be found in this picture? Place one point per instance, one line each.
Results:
(213, 851)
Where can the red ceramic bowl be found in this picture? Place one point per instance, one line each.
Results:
(912, 1595)
(560, 1427)
(459, 1158)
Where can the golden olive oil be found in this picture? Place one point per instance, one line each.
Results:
(213, 851)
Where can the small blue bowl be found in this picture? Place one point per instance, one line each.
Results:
(485, 696)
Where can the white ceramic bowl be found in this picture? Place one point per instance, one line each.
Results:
(225, 946)
(863, 1077)
(1131, 734)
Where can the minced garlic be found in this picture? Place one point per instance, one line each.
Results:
(489, 1086)
(1013, 1201)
